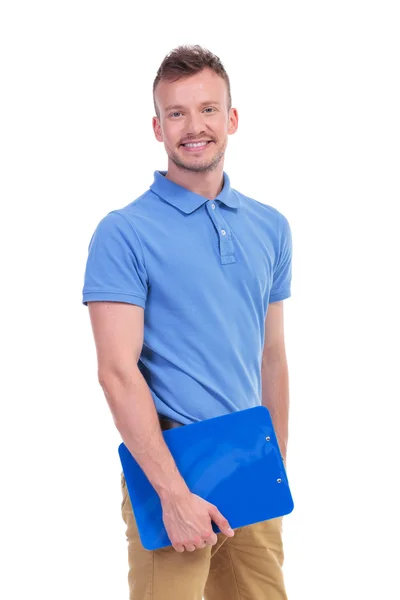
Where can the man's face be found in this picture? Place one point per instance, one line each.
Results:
(194, 109)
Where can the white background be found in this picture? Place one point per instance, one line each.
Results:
(316, 85)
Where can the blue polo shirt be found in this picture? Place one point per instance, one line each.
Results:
(204, 271)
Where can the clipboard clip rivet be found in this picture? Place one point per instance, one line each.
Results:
(268, 438)
(279, 480)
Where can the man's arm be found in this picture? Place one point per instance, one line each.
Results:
(118, 333)
(275, 376)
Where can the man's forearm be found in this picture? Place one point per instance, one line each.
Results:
(136, 419)
(275, 396)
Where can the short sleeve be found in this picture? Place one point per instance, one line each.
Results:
(115, 268)
(282, 275)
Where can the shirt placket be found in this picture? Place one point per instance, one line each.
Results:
(226, 247)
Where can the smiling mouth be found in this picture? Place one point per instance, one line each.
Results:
(193, 146)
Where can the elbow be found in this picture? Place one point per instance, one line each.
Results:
(110, 378)
(274, 362)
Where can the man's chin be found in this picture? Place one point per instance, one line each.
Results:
(196, 165)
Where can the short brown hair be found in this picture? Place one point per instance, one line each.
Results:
(188, 60)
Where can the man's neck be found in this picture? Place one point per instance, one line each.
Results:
(208, 184)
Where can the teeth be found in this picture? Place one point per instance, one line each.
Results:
(196, 145)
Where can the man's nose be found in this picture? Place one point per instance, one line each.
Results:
(195, 125)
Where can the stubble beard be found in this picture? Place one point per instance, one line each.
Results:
(199, 167)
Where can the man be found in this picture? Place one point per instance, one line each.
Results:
(185, 287)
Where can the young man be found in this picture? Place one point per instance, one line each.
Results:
(185, 287)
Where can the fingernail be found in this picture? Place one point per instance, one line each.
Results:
(230, 530)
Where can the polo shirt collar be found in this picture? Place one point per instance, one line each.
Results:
(186, 200)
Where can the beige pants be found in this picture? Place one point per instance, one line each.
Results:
(245, 567)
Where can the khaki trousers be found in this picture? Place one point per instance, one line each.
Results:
(245, 567)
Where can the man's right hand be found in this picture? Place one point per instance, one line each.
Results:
(188, 522)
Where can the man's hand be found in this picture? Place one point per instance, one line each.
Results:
(188, 522)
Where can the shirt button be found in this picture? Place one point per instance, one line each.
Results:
(223, 231)
(212, 205)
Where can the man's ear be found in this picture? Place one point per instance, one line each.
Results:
(157, 129)
(233, 121)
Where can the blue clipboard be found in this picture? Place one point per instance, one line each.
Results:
(232, 461)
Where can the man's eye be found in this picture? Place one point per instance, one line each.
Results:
(177, 112)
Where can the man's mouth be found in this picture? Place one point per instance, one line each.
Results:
(196, 146)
